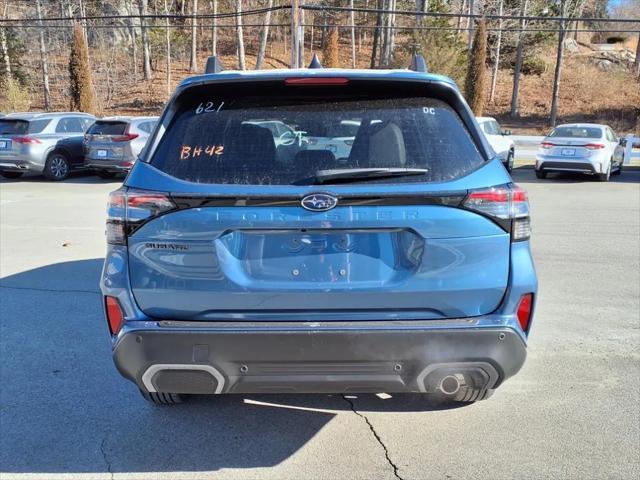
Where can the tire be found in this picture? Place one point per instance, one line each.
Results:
(510, 161)
(618, 171)
(158, 398)
(57, 167)
(11, 174)
(106, 175)
(541, 174)
(604, 177)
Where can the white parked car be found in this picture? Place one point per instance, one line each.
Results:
(582, 148)
(499, 140)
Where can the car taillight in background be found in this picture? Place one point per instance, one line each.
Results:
(128, 209)
(546, 145)
(594, 146)
(124, 138)
(507, 205)
(26, 140)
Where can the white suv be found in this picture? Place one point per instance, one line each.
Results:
(499, 140)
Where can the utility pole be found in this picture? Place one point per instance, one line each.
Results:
(193, 60)
(519, 56)
(638, 57)
(353, 35)
(295, 33)
(558, 72)
(43, 58)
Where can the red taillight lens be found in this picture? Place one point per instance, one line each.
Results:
(26, 140)
(524, 311)
(127, 209)
(547, 145)
(594, 146)
(508, 205)
(124, 138)
(115, 318)
(315, 81)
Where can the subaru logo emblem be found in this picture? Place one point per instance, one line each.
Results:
(319, 202)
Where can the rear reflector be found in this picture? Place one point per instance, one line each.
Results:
(314, 81)
(115, 317)
(524, 311)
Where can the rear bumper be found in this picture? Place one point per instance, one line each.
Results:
(109, 165)
(318, 357)
(567, 166)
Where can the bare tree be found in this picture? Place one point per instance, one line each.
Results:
(193, 60)
(5, 48)
(132, 34)
(264, 35)
(637, 61)
(43, 59)
(240, 37)
(214, 30)
(519, 56)
(562, 28)
(376, 33)
(496, 61)
(146, 52)
(353, 35)
(168, 47)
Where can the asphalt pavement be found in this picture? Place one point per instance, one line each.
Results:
(572, 412)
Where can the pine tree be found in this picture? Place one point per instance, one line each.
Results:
(475, 83)
(83, 96)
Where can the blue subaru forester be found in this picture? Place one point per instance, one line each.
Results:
(318, 230)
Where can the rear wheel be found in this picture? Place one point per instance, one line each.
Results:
(618, 170)
(604, 177)
(158, 398)
(106, 175)
(57, 167)
(11, 174)
(510, 161)
(541, 174)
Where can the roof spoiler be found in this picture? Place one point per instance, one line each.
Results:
(213, 65)
(418, 64)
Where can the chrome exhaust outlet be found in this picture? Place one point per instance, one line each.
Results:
(451, 384)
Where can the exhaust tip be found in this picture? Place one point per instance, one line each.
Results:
(450, 385)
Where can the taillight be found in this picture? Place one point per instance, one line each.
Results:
(115, 317)
(507, 205)
(524, 311)
(128, 209)
(546, 145)
(26, 140)
(124, 138)
(594, 146)
(315, 81)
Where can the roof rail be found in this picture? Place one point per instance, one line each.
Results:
(315, 63)
(213, 65)
(418, 63)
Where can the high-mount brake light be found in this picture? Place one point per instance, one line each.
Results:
(315, 81)
(128, 209)
(115, 317)
(26, 140)
(507, 205)
(524, 311)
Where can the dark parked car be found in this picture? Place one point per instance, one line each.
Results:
(402, 266)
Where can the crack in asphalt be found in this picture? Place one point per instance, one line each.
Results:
(376, 436)
(104, 457)
(57, 290)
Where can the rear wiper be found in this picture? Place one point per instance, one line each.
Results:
(346, 175)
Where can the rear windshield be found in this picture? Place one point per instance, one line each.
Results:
(107, 128)
(229, 140)
(577, 132)
(13, 127)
